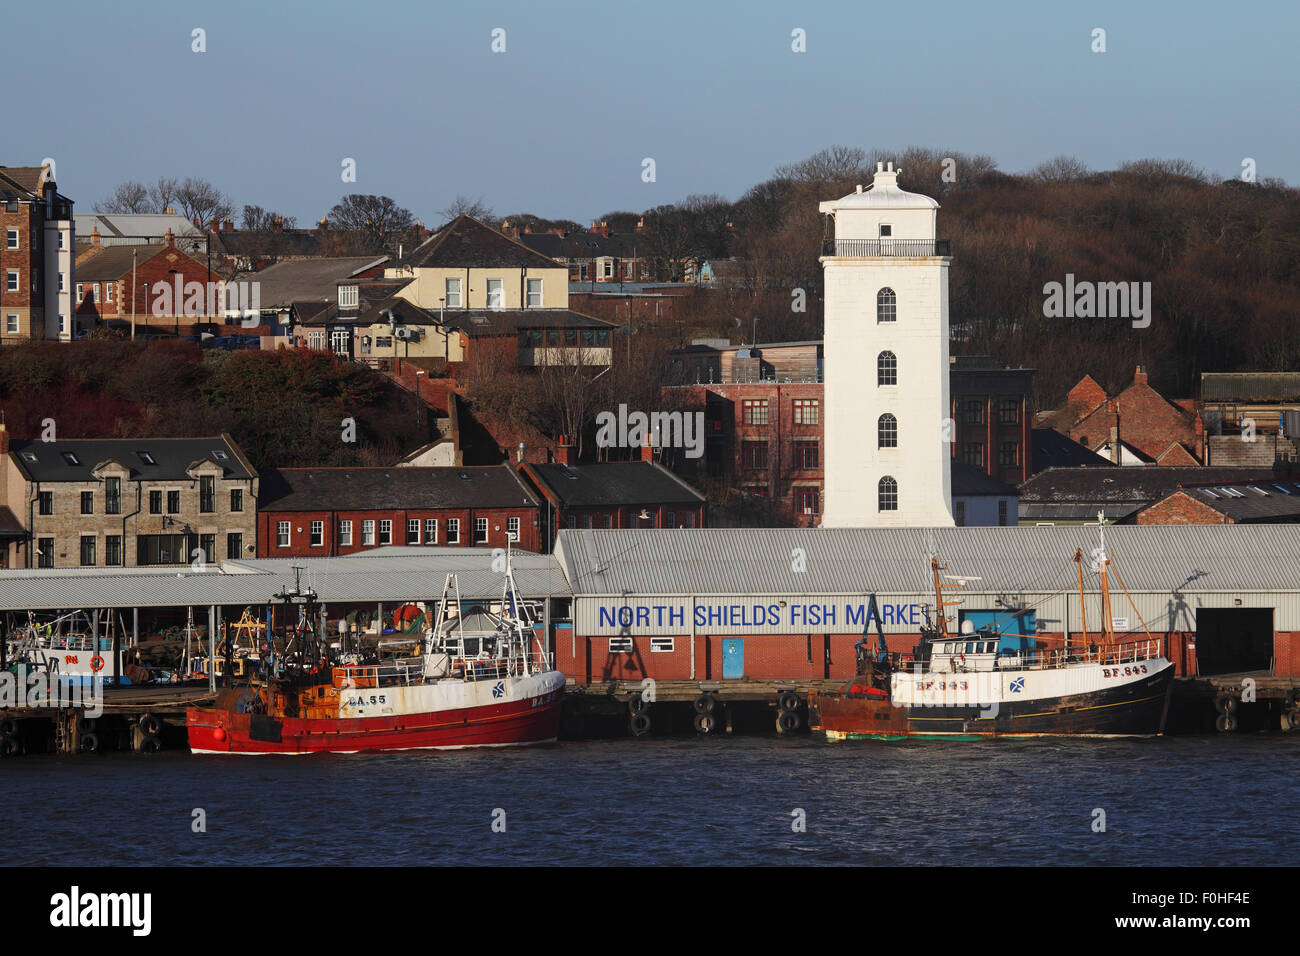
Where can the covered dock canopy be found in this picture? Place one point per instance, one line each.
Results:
(380, 576)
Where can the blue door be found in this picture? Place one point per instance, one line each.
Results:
(733, 658)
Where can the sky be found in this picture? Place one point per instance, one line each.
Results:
(561, 122)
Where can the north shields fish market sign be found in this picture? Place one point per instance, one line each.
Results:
(601, 616)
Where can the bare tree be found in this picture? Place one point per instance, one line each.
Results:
(164, 194)
(569, 390)
(1060, 169)
(202, 201)
(130, 197)
(378, 220)
(257, 219)
(465, 206)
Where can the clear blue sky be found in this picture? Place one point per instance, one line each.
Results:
(558, 124)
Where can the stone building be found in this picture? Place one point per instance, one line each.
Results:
(128, 501)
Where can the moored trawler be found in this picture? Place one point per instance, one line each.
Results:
(486, 684)
(987, 683)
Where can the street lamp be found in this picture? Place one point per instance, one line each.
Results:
(176, 305)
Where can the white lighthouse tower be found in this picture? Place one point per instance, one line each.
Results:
(887, 439)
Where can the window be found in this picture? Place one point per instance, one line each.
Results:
(959, 509)
(572, 521)
(606, 521)
(173, 502)
(79, 292)
(11, 322)
(620, 645)
(806, 411)
(145, 458)
(234, 545)
(453, 531)
(208, 548)
(367, 533)
(973, 454)
(1008, 411)
(345, 534)
(282, 534)
(87, 502)
(11, 284)
(155, 502)
(430, 530)
(806, 454)
(44, 552)
(95, 292)
(112, 496)
(480, 530)
(512, 529)
(627, 269)
(496, 294)
(207, 494)
(453, 294)
(662, 645)
(886, 369)
(11, 238)
(1009, 454)
(108, 290)
(607, 268)
(317, 539)
(348, 297)
(887, 494)
(670, 520)
(60, 281)
(886, 306)
(755, 411)
(534, 293)
(807, 501)
(886, 230)
(1002, 511)
(753, 455)
(87, 550)
(113, 550)
(45, 503)
(974, 411)
(61, 240)
(383, 341)
(887, 431)
(236, 499)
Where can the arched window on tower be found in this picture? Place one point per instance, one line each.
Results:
(886, 369)
(887, 494)
(886, 305)
(887, 431)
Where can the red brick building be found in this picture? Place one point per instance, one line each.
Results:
(1265, 501)
(105, 290)
(315, 512)
(1139, 419)
(613, 494)
(36, 259)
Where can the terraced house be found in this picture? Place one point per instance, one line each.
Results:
(127, 502)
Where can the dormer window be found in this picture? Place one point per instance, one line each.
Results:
(70, 458)
(145, 457)
(348, 297)
(219, 455)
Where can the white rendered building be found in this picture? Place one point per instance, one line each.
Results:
(887, 435)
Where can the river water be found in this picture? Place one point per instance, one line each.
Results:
(1175, 801)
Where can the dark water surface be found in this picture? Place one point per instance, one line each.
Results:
(1175, 801)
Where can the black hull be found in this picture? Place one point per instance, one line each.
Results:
(1137, 709)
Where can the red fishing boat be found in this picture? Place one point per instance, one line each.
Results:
(478, 679)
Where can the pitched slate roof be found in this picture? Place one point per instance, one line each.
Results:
(405, 487)
(1258, 501)
(968, 480)
(612, 483)
(467, 243)
(113, 262)
(586, 245)
(1051, 449)
(21, 179)
(309, 279)
(1078, 493)
(172, 457)
(132, 228)
(476, 322)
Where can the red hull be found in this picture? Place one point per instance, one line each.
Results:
(495, 725)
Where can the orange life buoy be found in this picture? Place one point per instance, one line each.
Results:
(97, 663)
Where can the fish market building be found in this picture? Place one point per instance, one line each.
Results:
(790, 604)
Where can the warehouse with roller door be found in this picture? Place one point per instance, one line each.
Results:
(790, 604)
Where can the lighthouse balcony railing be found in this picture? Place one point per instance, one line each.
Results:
(902, 248)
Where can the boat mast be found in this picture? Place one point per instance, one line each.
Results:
(1107, 622)
(1083, 608)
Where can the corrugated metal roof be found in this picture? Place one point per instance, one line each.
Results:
(371, 576)
(1159, 559)
(1250, 386)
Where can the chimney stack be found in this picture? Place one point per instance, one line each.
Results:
(1140, 376)
(565, 454)
(647, 450)
(4, 439)
(277, 223)
(227, 225)
(171, 239)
